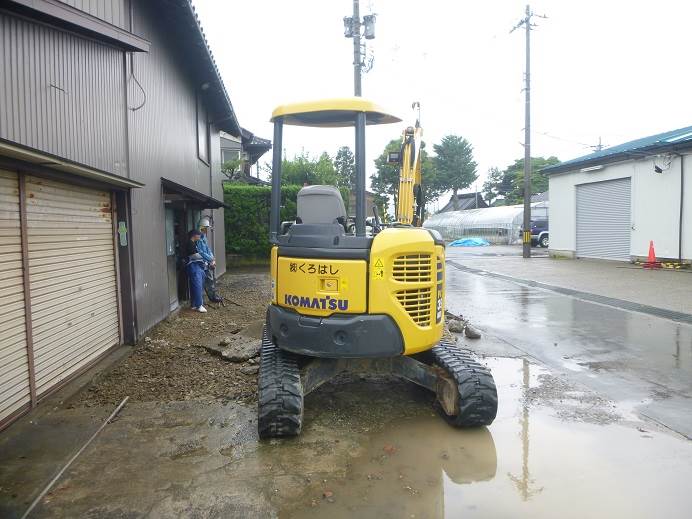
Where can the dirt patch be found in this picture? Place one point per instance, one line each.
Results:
(570, 402)
(171, 364)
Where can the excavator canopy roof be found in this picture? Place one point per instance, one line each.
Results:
(333, 113)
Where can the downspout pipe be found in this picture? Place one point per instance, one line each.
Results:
(682, 205)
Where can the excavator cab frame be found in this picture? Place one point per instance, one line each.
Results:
(326, 113)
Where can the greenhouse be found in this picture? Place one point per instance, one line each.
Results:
(498, 225)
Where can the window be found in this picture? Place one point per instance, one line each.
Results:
(227, 154)
(202, 131)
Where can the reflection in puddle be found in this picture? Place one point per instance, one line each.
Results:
(404, 471)
(524, 483)
(536, 460)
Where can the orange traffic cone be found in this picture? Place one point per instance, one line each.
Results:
(651, 262)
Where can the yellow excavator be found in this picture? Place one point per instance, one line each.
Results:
(357, 301)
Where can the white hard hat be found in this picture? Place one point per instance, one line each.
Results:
(205, 221)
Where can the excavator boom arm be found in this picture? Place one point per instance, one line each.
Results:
(410, 199)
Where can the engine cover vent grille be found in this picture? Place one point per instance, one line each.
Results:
(416, 303)
(412, 268)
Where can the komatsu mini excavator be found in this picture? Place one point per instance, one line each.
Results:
(356, 302)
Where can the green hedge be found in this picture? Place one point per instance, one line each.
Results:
(247, 221)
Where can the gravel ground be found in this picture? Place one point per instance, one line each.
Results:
(170, 362)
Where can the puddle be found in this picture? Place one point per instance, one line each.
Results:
(554, 450)
(374, 448)
(402, 473)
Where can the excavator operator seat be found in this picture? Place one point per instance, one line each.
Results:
(320, 205)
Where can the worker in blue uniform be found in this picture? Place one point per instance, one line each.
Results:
(195, 271)
(210, 262)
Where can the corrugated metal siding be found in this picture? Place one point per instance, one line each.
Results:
(217, 192)
(62, 94)
(603, 219)
(14, 363)
(114, 12)
(163, 143)
(72, 277)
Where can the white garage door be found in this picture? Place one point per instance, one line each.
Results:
(74, 305)
(72, 285)
(603, 219)
(14, 359)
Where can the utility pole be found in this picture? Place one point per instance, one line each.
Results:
(526, 251)
(352, 29)
(357, 59)
(526, 235)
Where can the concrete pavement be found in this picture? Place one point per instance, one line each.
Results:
(664, 289)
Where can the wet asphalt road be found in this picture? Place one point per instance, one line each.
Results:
(633, 358)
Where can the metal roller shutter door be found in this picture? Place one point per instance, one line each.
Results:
(603, 219)
(74, 303)
(15, 390)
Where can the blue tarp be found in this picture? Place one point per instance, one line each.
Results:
(470, 242)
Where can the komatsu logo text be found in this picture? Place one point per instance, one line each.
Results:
(319, 303)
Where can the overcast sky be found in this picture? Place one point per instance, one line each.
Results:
(615, 70)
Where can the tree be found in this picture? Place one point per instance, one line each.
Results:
(385, 183)
(432, 188)
(497, 186)
(539, 180)
(508, 185)
(233, 170)
(303, 170)
(325, 172)
(382, 203)
(454, 162)
(345, 165)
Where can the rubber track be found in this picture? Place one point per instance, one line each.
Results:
(280, 392)
(477, 392)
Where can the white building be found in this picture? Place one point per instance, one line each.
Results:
(612, 203)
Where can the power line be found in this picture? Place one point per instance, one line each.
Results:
(595, 147)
